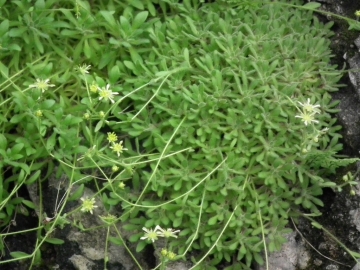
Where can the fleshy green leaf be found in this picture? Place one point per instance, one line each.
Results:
(77, 194)
(312, 5)
(139, 19)
(19, 254)
(54, 241)
(29, 204)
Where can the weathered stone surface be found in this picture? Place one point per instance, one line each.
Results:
(292, 256)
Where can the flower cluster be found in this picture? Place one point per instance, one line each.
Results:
(168, 254)
(42, 85)
(153, 235)
(115, 146)
(307, 115)
(105, 93)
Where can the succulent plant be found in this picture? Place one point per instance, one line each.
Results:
(234, 86)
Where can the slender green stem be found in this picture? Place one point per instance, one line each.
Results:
(127, 248)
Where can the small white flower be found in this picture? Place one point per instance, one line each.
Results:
(84, 69)
(307, 118)
(307, 107)
(158, 232)
(117, 147)
(88, 205)
(168, 232)
(150, 234)
(42, 85)
(107, 94)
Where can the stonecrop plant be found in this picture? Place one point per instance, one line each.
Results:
(248, 93)
(208, 125)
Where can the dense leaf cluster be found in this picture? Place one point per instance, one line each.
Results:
(231, 74)
(207, 94)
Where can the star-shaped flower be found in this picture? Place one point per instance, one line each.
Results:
(150, 234)
(42, 85)
(84, 69)
(167, 233)
(307, 107)
(118, 148)
(106, 94)
(88, 205)
(307, 118)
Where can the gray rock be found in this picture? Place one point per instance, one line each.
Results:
(356, 267)
(292, 256)
(81, 263)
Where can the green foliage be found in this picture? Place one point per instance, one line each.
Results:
(326, 159)
(231, 72)
(206, 103)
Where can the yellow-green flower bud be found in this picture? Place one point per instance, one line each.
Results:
(86, 116)
(171, 255)
(164, 252)
(121, 185)
(94, 87)
(112, 137)
(39, 113)
(109, 219)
